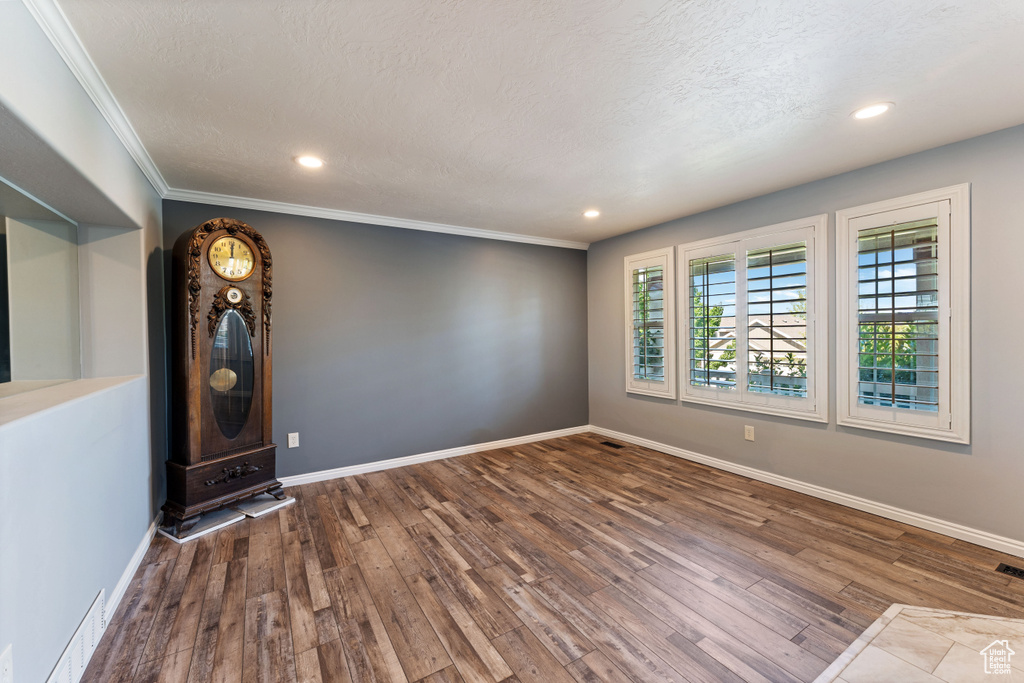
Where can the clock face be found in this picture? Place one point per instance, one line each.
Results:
(231, 258)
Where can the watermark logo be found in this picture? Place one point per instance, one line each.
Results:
(997, 657)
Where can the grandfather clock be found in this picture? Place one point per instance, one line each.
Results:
(222, 450)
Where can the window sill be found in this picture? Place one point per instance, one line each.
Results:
(808, 416)
(658, 393)
(948, 435)
(23, 386)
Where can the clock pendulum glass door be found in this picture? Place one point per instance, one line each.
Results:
(231, 374)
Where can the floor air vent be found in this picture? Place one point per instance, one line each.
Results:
(1012, 571)
(612, 445)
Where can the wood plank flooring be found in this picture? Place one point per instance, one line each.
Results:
(563, 560)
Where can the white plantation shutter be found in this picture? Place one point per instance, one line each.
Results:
(753, 302)
(712, 321)
(898, 316)
(650, 324)
(903, 326)
(777, 356)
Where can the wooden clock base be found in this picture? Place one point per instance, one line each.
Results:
(195, 489)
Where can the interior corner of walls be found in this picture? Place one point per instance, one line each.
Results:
(336, 473)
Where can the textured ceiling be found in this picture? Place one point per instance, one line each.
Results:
(516, 116)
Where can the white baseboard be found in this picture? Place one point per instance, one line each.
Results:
(324, 475)
(129, 571)
(983, 538)
(964, 533)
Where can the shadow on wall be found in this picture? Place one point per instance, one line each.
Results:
(158, 359)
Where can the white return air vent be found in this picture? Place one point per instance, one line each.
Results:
(79, 651)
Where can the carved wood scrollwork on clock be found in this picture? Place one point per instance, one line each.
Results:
(195, 253)
(222, 303)
(243, 470)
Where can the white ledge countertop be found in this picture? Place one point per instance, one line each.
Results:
(48, 396)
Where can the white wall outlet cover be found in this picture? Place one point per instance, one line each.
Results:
(748, 432)
(7, 665)
(293, 440)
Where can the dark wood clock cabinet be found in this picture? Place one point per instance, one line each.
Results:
(221, 445)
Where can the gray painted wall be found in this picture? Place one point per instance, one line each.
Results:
(392, 342)
(978, 485)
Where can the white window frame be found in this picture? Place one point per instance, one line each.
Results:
(664, 258)
(952, 421)
(813, 407)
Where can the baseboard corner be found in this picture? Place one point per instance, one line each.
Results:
(338, 472)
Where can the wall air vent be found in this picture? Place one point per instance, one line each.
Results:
(72, 663)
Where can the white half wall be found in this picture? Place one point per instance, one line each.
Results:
(81, 476)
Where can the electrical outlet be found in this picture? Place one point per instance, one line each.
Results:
(293, 440)
(748, 432)
(7, 665)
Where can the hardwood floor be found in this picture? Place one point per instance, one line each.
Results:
(564, 560)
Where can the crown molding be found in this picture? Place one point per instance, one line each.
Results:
(353, 217)
(55, 25)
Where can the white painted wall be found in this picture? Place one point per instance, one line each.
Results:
(42, 268)
(81, 479)
(73, 508)
(113, 314)
(39, 89)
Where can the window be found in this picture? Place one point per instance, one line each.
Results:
(754, 302)
(650, 329)
(904, 321)
(713, 321)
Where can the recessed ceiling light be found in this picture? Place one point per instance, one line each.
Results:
(309, 162)
(591, 213)
(872, 110)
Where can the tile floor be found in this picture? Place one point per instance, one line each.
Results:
(910, 644)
